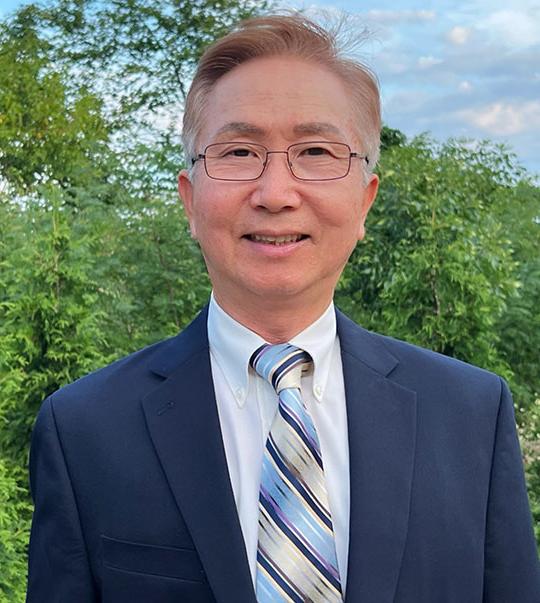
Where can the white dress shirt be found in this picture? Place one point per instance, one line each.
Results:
(247, 404)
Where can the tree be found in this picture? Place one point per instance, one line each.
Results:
(519, 325)
(391, 137)
(47, 132)
(14, 513)
(143, 54)
(451, 263)
(49, 314)
(437, 267)
(95, 255)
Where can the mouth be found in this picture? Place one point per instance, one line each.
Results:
(286, 239)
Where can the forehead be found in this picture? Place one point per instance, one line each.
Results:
(279, 98)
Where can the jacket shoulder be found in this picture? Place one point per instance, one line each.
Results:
(416, 367)
(134, 375)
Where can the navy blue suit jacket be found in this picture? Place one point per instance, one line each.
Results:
(134, 503)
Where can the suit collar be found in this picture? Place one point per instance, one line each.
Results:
(184, 425)
(178, 350)
(183, 422)
(381, 417)
(366, 347)
(363, 346)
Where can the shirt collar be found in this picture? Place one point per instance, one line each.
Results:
(318, 340)
(232, 345)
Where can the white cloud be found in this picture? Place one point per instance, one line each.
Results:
(427, 62)
(513, 27)
(504, 119)
(465, 86)
(459, 35)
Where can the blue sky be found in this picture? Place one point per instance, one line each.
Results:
(453, 68)
(457, 69)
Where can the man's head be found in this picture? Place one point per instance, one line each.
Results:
(276, 234)
(293, 36)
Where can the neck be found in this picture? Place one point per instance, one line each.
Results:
(275, 322)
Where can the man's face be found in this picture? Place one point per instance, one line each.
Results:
(276, 102)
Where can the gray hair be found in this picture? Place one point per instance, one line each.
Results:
(284, 35)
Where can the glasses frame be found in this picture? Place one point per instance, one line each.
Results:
(352, 155)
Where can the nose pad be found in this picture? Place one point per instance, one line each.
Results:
(276, 188)
(287, 161)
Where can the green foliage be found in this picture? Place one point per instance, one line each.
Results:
(95, 254)
(519, 326)
(47, 132)
(437, 268)
(144, 52)
(14, 521)
(75, 287)
(451, 262)
(533, 475)
(149, 269)
(390, 137)
(80, 288)
(49, 313)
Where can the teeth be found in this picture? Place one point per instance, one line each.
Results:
(276, 240)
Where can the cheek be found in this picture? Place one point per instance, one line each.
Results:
(343, 214)
(342, 229)
(203, 210)
(213, 220)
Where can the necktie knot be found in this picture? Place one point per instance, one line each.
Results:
(280, 364)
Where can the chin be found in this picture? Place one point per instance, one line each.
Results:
(281, 292)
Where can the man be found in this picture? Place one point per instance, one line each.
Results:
(207, 468)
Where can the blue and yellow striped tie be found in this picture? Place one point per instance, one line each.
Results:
(296, 556)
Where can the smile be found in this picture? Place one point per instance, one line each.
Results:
(276, 240)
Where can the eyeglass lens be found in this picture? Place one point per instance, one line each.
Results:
(307, 160)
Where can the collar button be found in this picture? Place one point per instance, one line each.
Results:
(239, 394)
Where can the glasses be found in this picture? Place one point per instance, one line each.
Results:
(242, 161)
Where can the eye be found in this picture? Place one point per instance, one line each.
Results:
(228, 151)
(240, 152)
(315, 151)
(322, 151)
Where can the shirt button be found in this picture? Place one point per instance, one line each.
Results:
(239, 393)
(318, 391)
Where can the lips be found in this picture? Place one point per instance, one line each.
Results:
(276, 240)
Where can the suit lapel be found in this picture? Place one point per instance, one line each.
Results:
(382, 429)
(183, 423)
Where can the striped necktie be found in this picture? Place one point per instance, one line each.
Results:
(296, 556)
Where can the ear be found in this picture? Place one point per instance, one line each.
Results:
(368, 197)
(185, 190)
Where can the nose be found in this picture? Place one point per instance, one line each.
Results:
(277, 188)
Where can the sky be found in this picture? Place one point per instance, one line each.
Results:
(454, 68)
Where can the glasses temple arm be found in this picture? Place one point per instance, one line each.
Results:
(195, 159)
(364, 157)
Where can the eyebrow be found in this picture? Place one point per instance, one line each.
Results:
(242, 128)
(316, 128)
(311, 128)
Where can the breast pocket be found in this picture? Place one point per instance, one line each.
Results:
(142, 573)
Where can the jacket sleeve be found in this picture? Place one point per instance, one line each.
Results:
(59, 569)
(512, 571)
